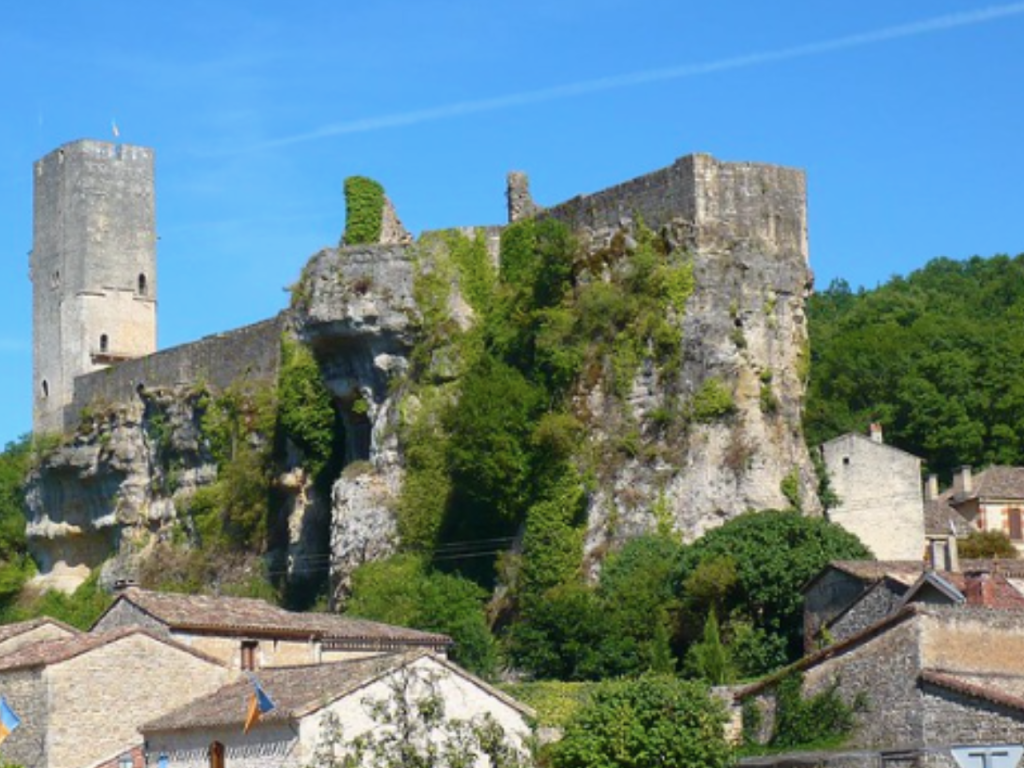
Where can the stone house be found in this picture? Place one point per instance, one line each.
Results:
(851, 595)
(22, 633)
(82, 699)
(991, 500)
(935, 679)
(247, 634)
(880, 495)
(209, 731)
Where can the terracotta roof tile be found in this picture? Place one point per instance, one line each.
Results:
(298, 691)
(7, 631)
(1005, 690)
(55, 651)
(203, 612)
(998, 482)
(294, 690)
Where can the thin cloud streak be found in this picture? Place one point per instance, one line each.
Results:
(459, 109)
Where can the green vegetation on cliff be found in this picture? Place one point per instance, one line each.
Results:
(364, 209)
(937, 357)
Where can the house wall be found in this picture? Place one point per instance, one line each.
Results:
(25, 691)
(266, 746)
(825, 599)
(994, 515)
(881, 500)
(101, 697)
(463, 700)
(125, 614)
(951, 719)
(269, 652)
(40, 634)
(973, 640)
(873, 607)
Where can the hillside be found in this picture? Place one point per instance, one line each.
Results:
(937, 357)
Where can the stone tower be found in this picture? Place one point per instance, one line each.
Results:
(92, 266)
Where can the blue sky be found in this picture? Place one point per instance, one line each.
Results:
(905, 115)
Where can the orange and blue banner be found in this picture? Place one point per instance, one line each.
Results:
(259, 704)
(8, 719)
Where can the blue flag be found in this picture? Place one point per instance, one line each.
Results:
(259, 704)
(8, 720)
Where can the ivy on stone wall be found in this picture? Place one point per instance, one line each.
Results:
(364, 211)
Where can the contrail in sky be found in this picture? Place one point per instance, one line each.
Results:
(447, 111)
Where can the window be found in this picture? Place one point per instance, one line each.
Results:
(1014, 524)
(104, 343)
(143, 287)
(216, 755)
(46, 389)
(249, 649)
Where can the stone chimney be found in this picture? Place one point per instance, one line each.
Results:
(980, 589)
(875, 431)
(931, 488)
(962, 481)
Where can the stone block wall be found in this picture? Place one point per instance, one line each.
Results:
(973, 640)
(101, 697)
(250, 353)
(951, 718)
(26, 693)
(268, 745)
(93, 265)
(726, 203)
(878, 603)
(124, 614)
(881, 500)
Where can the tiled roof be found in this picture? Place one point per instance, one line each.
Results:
(873, 570)
(298, 691)
(237, 614)
(55, 651)
(940, 518)
(1004, 690)
(7, 631)
(997, 482)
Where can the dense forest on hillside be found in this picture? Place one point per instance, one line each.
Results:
(936, 357)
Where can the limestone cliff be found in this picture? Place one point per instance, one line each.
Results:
(113, 486)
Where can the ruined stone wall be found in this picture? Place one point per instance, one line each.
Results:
(251, 353)
(727, 204)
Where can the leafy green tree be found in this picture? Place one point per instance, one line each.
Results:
(644, 723)
(937, 357)
(402, 590)
(775, 553)
(15, 564)
(709, 659)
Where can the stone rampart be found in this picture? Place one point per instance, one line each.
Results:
(725, 203)
(249, 353)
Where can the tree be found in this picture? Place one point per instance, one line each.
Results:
(404, 591)
(775, 553)
(412, 730)
(644, 723)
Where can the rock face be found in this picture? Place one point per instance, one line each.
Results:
(360, 320)
(113, 485)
